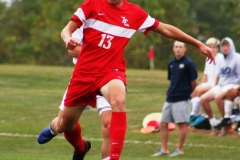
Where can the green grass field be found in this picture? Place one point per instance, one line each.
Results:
(29, 100)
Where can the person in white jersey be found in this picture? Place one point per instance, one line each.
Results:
(228, 77)
(208, 81)
(103, 107)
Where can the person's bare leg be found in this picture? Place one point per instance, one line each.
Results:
(105, 119)
(194, 93)
(72, 129)
(66, 119)
(205, 102)
(231, 94)
(115, 93)
(55, 124)
(183, 129)
(219, 98)
(164, 136)
(203, 90)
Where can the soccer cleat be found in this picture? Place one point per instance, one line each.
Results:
(224, 123)
(225, 130)
(192, 119)
(45, 136)
(176, 153)
(82, 155)
(214, 132)
(160, 153)
(199, 119)
(237, 126)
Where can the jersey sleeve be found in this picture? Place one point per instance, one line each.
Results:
(78, 34)
(148, 22)
(237, 70)
(192, 70)
(83, 12)
(169, 71)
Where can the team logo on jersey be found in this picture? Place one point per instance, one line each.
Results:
(181, 65)
(125, 21)
(226, 70)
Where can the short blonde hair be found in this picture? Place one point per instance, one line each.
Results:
(213, 40)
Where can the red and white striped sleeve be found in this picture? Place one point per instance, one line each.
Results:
(83, 12)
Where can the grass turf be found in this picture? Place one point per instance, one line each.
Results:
(29, 100)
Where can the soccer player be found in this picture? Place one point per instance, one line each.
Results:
(182, 74)
(208, 81)
(104, 108)
(100, 69)
(228, 77)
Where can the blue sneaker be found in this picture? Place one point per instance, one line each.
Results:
(176, 153)
(199, 119)
(160, 153)
(45, 136)
(192, 119)
(82, 155)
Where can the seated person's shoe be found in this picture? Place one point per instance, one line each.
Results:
(224, 123)
(237, 126)
(199, 119)
(192, 119)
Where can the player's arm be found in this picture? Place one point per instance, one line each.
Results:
(194, 84)
(66, 35)
(175, 33)
(75, 52)
(204, 78)
(216, 80)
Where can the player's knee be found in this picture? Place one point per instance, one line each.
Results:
(119, 103)
(218, 98)
(203, 100)
(229, 94)
(200, 92)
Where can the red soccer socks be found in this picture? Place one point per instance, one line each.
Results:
(117, 133)
(74, 137)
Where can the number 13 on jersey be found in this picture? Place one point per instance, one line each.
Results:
(106, 41)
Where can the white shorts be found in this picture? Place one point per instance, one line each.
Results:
(102, 104)
(205, 85)
(217, 89)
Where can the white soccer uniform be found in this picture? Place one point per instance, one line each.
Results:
(229, 73)
(102, 103)
(211, 70)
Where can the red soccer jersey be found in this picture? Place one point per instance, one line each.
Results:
(107, 30)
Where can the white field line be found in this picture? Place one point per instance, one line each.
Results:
(126, 141)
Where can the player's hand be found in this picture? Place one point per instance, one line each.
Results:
(71, 43)
(208, 52)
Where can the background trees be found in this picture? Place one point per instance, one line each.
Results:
(30, 30)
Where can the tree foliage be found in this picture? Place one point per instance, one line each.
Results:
(30, 30)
